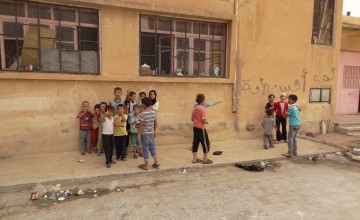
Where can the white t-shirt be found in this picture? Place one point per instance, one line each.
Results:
(282, 106)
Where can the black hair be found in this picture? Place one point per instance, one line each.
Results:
(109, 107)
(153, 101)
(103, 103)
(131, 93)
(293, 97)
(271, 95)
(146, 101)
(117, 89)
(200, 98)
(120, 105)
(269, 112)
(142, 93)
(96, 106)
(136, 106)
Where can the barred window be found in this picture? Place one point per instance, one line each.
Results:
(42, 37)
(323, 22)
(182, 47)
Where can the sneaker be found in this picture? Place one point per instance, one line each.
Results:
(118, 159)
(99, 153)
(124, 159)
(266, 147)
(82, 153)
(108, 165)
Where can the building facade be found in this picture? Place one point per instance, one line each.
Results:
(55, 54)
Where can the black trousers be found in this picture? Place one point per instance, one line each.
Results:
(108, 146)
(120, 146)
(281, 135)
(201, 136)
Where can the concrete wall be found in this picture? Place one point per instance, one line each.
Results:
(269, 51)
(350, 39)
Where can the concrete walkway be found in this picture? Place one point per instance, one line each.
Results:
(60, 167)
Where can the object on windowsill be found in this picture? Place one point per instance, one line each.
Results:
(179, 72)
(145, 69)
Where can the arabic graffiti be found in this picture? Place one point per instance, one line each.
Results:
(265, 88)
(325, 77)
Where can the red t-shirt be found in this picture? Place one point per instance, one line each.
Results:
(86, 121)
(198, 114)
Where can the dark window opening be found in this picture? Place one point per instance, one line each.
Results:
(323, 22)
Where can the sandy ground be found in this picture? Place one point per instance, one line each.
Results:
(294, 189)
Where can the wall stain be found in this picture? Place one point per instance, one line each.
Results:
(222, 124)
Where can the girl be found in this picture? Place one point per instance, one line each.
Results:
(280, 108)
(154, 102)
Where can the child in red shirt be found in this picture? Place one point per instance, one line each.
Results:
(85, 117)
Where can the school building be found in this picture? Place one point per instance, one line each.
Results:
(55, 54)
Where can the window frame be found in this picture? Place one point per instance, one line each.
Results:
(175, 35)
(26, 21)
(320, 96)
(320, 30)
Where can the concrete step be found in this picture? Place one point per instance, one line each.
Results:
(348, 130)
(347, 124)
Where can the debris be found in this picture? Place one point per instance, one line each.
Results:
(339, 153)
(315, 157)
(79, 193)
(35, 196)
(95, 195)
(61, 198)
(113, 185)
(264, 164)
(309, 134)
(95, 191)
(53, 196)
(356, 151)
(217, 152)
(57, 187)
(45, 197)
(252, 167)
(81, 161)
(356, 158)
(39, 188)
(121, 189)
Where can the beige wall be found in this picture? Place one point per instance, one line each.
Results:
(350, 39)
(268, 51)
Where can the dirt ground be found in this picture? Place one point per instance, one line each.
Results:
(291, 189)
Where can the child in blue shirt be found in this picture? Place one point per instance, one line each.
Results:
(294, 126)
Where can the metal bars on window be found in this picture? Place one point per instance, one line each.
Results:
(323, 22)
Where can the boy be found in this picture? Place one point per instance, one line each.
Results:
(141, 96)
(269, 125)
(120, 132)
(294, 126)
(134, 125)
(199, 119)
(107, 121)
(117, 100)
(280, 108)
(85, 117)
(146, 131)
(95, 127)
(131, 102)
(99, 143)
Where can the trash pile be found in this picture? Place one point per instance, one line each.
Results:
(315, 157)
(352, 155)
(57, 193)
(261, 166)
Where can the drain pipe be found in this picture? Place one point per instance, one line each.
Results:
(235, 89)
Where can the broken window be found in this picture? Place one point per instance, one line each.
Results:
(319, 95)
(323, 22)
(46, 37)
(171, 46)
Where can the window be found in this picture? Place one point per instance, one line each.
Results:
(351, 77)
(45, 37)
(323, 22)
(319, 95)
(182, 47)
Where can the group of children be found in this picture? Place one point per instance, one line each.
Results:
(282, 111)
(115, 124)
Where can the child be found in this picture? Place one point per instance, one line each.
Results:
(199, 119)
(99, 143)
(134, 125)
(280, 108)
(85, 117)
(117, 100)
(107, 121)
(294, 126)
(146, 131)
(268, 125)
(271, 103)
(141, 96)
(131, 102)
(120, 132)
(95, 127)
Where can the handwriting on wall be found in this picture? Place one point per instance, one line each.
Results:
(298, 83)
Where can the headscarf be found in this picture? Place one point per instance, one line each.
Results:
(153, 101)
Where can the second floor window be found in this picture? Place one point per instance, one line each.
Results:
(181, 47)
(50, 38)
(323, 22)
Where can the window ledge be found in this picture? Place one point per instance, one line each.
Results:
(112, 78)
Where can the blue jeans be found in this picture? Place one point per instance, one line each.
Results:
(292, 143)
(148, 144)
